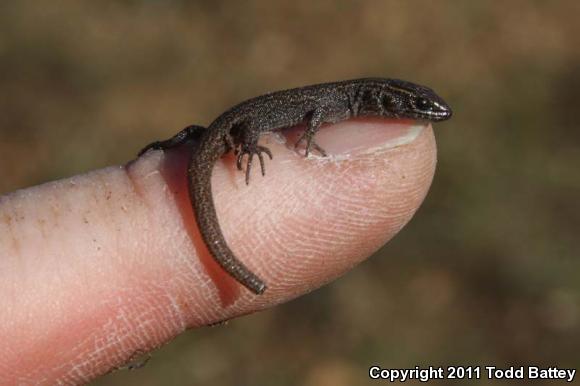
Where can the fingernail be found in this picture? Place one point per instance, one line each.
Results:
(356, 137)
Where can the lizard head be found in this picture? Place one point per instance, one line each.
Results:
(403, 99)
(393, 98)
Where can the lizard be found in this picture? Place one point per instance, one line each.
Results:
(240, 127)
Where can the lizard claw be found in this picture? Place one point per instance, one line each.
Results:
(251, 151)
(310, 144)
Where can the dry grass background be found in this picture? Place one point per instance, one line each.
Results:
(486, 273)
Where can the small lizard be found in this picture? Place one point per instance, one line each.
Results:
(240, 127)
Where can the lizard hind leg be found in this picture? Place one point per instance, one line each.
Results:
(251, 150)
(192, 132)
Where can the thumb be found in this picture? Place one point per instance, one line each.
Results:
(98, 267)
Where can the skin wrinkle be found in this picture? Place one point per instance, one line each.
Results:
(174, 307)
(77, 351)
(110, 339)
(121, 336)
(177, 313)
(135, 184)
(116, 334)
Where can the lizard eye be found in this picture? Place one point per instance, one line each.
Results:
(423, 104)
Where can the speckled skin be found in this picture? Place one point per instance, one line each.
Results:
(239, 129)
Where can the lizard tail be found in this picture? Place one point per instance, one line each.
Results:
(199, 173)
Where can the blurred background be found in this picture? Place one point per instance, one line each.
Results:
(487, 272)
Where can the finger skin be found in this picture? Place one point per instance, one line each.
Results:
(99, 267)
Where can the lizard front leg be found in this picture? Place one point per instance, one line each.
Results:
(315, 120)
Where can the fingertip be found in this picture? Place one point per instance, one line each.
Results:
(311, 219)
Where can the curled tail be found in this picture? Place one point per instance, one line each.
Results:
(199, 176)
